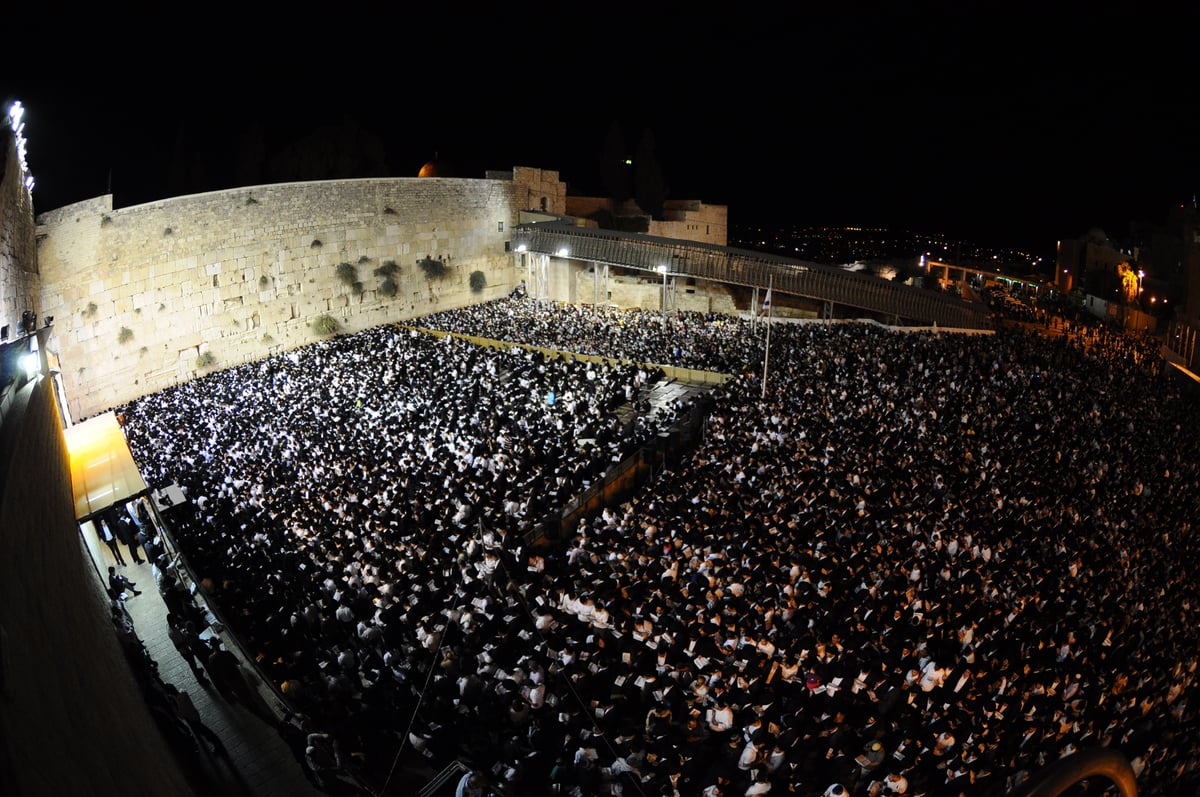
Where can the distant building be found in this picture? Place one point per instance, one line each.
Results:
(683, 219)
(1089, 263)
(1176, 254)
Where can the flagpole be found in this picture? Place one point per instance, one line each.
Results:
(767, 354)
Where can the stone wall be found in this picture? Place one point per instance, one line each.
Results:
(18, 254)
(139, 294)
(642, 291)
(692, 220)
(685, 219)
(74, 718)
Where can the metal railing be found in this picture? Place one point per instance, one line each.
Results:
(264, 688)
(1101, 762)
(748, 269)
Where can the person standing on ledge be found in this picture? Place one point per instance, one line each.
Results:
(110, 540)
(127, 533)
(187, 711)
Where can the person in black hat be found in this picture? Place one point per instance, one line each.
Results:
(127, 533)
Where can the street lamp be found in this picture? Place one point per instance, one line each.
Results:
(662, 269)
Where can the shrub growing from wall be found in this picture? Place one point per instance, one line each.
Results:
(325, 324)
(434, 269)
(388, 287)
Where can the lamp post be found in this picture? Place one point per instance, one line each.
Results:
(662, 269)
(1137, 319)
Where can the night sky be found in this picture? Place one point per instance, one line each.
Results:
(1010, 128)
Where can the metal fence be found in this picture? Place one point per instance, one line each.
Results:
(749, 269)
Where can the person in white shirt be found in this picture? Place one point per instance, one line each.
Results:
(535, 693)
(545, 621)
(470, 785)
(749, 758)
(761, 785)
(585, 609)
(932, 677)
(720, 717)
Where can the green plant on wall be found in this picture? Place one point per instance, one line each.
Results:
(125, 335)
(388, 270)
(347, 274)
(325, 324)
(206, 359)
(90, 310)
(263, 282)
(434, 269)
(478, 281)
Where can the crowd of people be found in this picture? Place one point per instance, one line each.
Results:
(169, 703)
(922, 563)
(708, 341)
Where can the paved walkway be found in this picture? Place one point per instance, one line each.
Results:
(259, 762)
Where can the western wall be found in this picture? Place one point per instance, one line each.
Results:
(149, 296)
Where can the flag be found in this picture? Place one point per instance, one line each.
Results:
(766, 308)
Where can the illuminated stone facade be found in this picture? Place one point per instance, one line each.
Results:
(141, 294)
(18, 258)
